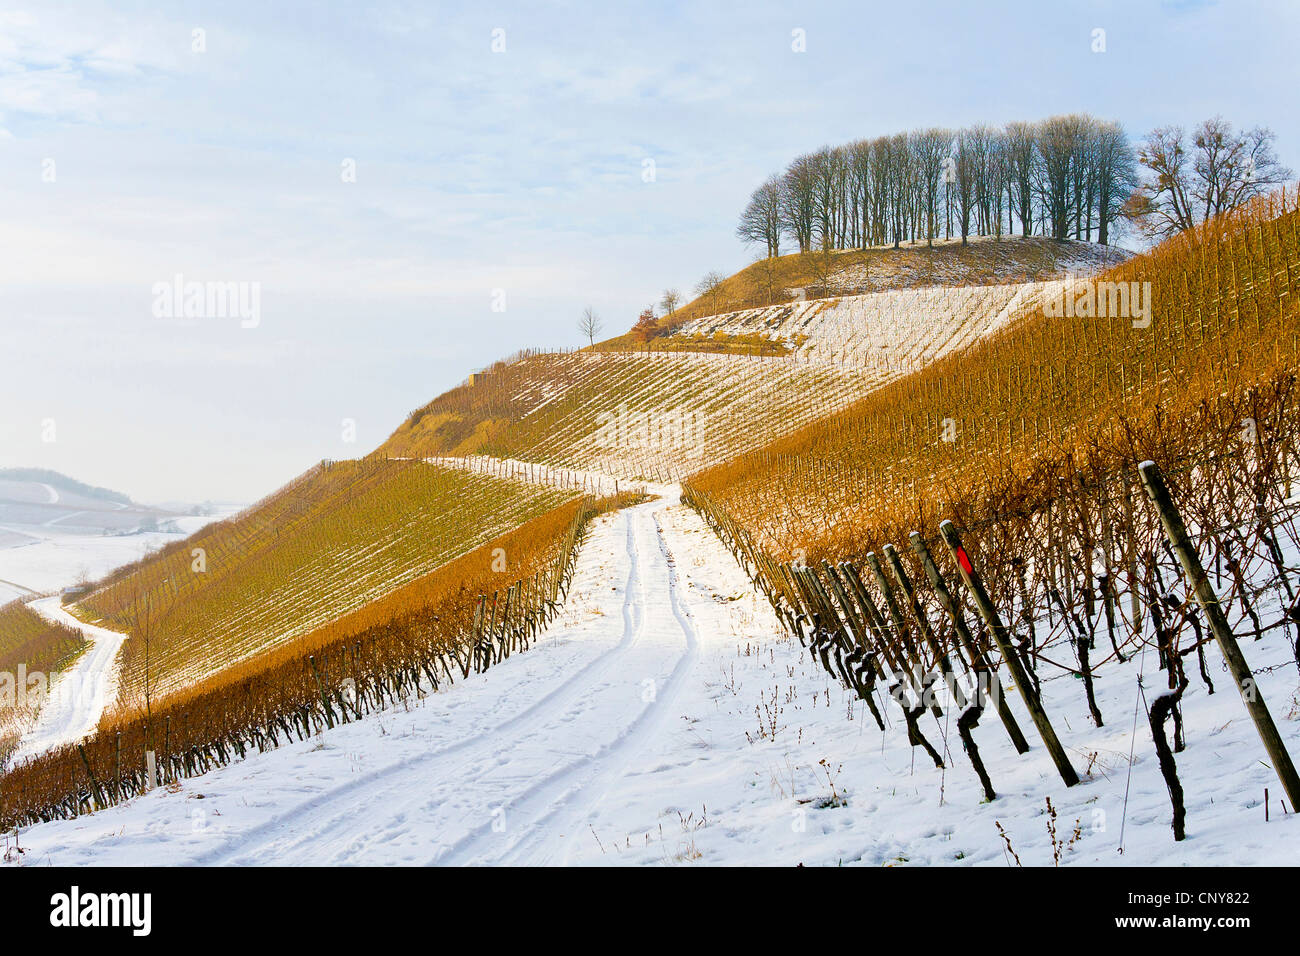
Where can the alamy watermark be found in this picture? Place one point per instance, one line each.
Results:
(181, 299)
(75, 908)
(26, 690)
(1087, 299)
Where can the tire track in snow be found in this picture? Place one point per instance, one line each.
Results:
(307, 823)
(545, 836)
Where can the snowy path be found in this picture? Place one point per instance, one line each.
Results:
(565, 733)
(664, 720)
(79, 696)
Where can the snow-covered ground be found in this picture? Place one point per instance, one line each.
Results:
(40, 559)
(665, 719)
(78, 696)
(890, 332)
(37, 560)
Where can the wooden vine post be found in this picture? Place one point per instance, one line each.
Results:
(914, 665)
(923, 624)
(959, 624)
(975, 584)
(1154, 483)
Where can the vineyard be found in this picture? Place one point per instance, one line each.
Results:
(637, 416)
(889, 332)
(984, 261)
(460, 619)
(1001, 425)
(29, 645)
(952, 498)
(669, 411)
(337, 538)
(1067, 496)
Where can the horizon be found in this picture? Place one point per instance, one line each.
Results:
(384, 217)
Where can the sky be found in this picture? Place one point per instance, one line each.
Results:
(405, 192)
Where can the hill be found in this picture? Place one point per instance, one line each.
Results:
(712, 387)
(36, 502)
(31, 646)
(798, 277)
(339, 537)
(992, 653)
(62, 482)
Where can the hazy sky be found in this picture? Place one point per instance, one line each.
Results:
(128, 157)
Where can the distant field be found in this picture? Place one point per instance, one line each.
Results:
(336, 538)
(48, 502)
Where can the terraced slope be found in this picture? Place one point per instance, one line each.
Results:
(342, 535)
(886, 331)
(987, 429)
(663, 414)
(649, 416)
(813, 275)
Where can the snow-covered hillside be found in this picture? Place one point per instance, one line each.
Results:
(665, 719)
(896, 331)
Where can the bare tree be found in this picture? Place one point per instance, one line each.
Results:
(1116, 173)
(799, 206)
(929, 148)
(590, 324)
(1185, 186)
(967, 180)
(1166, 195)
(1022, 161)
(669, 301)
(1060, 140)
(709, 288)
(860, 189)
(764, 216)
(1231, 168)
(1068, 176)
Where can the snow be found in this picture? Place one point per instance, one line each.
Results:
(44, 559)
(78, 696)
(892, 332)
(639, 730)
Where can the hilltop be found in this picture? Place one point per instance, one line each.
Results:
(717, 381)
(984, 260)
